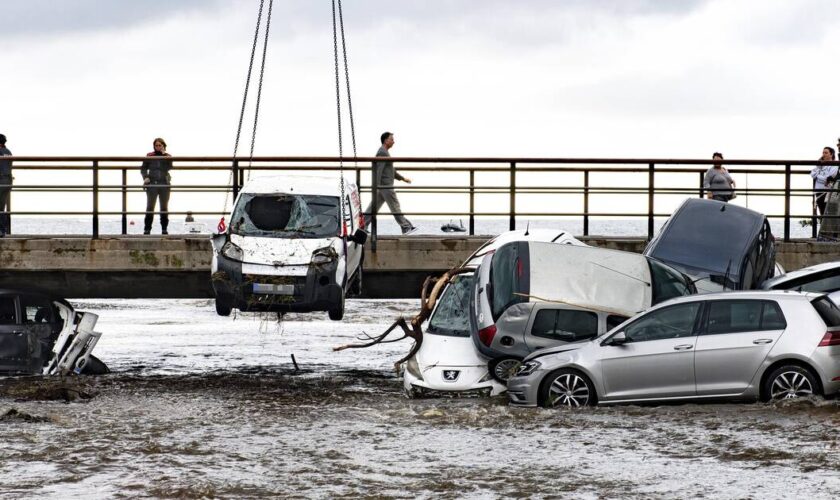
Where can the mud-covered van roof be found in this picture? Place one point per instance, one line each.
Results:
(325, 185)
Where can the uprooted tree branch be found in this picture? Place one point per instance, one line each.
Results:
(412, 329)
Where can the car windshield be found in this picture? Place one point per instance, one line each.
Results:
(668, 283)
(286, 215)
(451, 317)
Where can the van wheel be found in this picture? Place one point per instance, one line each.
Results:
(223, 308)
(356, 285)
(566, 387)
(94, 366)
(337, 313)
(789, 382)
(501, 369)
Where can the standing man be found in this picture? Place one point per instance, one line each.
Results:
(382, 177)
(5, 188)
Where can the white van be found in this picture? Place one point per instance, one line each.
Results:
(286, 248)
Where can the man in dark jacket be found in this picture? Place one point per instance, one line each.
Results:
(5, 188)
(383, 176)
(156, 179)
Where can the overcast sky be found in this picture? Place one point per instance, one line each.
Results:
(606, 78)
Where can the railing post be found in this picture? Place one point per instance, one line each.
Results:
(700, 188)
(374, 192)
(235, 174)
(650, 201)
(586, 202)
(95, 199)
(124, 201)
(512, 210)
(472, 202)
(787, 203)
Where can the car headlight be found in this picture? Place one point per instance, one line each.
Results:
(232, 251)
(413, 368)
(527, 368)
(324, 256)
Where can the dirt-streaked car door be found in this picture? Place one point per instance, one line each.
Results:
(736, 337)
(658, 359)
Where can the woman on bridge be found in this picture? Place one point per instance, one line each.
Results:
(156, 180)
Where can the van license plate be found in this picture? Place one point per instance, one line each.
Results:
(269, 289)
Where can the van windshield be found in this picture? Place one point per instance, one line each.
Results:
(286, 215)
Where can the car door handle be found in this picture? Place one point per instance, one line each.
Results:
(683, 347)
(762, 341)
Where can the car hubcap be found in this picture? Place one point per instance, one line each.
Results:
(789, 385)
(569, 390)
(505, 369)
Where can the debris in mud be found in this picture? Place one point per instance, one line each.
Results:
(432, 413)
(13, 414)
(46, 390)
(414, 328)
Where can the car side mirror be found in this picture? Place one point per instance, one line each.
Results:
(616, 340)
(359, 237)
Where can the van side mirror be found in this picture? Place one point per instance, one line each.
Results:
(616, 340)
(359, 237)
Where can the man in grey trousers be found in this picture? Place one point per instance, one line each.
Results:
(5, 188)
(383, 177)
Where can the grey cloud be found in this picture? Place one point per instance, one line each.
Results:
(479, 18)
(38, 18)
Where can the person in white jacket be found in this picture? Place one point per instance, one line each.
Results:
(824, 176)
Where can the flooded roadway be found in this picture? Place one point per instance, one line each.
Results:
(201, 406)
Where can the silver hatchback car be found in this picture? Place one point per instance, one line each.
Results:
(741, 345)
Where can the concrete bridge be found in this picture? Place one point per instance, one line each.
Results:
(179, 266)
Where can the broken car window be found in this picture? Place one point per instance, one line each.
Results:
(286, 215)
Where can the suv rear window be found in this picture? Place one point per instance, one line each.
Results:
(509, 277)
(827, 310)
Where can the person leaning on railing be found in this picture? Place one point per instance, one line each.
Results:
(717, 182)
(156, 180)
(824, 176)
(5, 188)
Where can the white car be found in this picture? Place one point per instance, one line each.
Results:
(41, 334)
(447, 361)
(823, 277)
(287, 249)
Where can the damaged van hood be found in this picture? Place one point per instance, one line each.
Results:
(278, 251)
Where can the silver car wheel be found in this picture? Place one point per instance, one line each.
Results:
(789, 385)
(505, 369)
(568, 390)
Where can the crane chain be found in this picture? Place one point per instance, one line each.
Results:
(338, 112)
(259, 87)
(245, 97)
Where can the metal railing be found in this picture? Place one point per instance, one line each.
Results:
(503, 178)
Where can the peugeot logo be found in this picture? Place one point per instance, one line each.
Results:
(451, 375)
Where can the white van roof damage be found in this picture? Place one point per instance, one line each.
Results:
(325, 185)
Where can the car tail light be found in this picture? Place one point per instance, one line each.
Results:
(830, 338)
(486, 335)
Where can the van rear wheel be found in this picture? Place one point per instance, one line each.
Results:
(337, 312)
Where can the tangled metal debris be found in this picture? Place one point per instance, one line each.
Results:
(412, 329)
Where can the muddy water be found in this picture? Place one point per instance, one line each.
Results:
(201, 406)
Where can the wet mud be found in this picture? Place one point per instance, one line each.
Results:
(233, 418)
